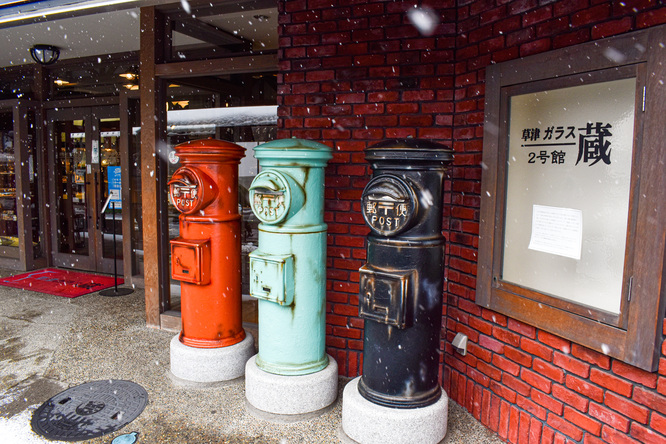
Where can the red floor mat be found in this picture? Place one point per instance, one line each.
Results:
(65, 283)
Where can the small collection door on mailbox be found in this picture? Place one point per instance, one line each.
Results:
(401, 284)
(206, 256)
(288, 270)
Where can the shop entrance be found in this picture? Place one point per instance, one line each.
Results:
(85, 158)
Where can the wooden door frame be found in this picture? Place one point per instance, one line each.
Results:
(129, 256)
(104, 265)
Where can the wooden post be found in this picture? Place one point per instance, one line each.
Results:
(153, 135)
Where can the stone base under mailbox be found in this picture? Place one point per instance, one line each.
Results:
(290, 398)
(369, 423)
(210, 364)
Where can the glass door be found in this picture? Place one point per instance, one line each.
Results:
(86, 183)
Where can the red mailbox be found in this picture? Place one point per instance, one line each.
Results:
(206, 258)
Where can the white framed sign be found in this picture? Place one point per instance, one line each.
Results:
(567, 191)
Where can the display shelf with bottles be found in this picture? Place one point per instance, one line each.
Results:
(71, 164)
(8, 217)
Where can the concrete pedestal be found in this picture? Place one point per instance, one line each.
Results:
(281, 398)
(369, 423)
(206, 365)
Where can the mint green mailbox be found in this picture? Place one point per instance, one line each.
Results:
(288, 270)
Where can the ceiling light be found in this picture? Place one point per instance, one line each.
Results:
(61, 82)
(44, 54)
(129, 75)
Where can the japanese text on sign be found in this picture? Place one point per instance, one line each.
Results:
(184, 194)
(270, 205)
(386, 215)
(592, 142)
(388, 205)
(114, 185)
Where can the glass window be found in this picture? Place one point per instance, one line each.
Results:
(93, 77)
(236, 108)
(136, 218)
(70, 171)
(16, 83)
(221, 32)
(572, 235)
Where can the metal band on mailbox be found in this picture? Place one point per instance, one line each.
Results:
(385, 294)
(389, 205)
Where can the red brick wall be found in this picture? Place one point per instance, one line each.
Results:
(353, 72)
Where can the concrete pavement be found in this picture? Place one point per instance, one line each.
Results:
(49, 343)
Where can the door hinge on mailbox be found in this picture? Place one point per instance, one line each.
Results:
(631, 284)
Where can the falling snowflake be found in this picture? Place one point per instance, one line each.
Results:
(424, 19)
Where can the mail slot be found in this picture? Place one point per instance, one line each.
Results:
(384, 296)
(206, 258)
(400, 292)
(272, 277)
(190, 261)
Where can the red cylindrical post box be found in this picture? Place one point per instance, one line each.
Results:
(206, 257)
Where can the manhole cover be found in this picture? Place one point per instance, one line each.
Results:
(89, 410)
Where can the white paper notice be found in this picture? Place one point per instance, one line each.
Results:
(557, 231)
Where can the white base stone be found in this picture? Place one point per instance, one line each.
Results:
(207, 365)
(290, 395)
(369, 423)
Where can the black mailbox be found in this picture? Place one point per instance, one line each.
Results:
(401, 284)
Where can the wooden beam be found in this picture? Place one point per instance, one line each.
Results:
(23, 208)
(214, 84)
(208, 33)
(230, 65)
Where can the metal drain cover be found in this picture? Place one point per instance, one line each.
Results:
(89, 410)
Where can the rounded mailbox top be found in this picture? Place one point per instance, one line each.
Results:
(410, 151)
(209, 150)
(299, 151)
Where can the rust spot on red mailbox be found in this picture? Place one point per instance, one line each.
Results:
(206, 257)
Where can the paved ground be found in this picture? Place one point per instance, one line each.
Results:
(49, 343)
